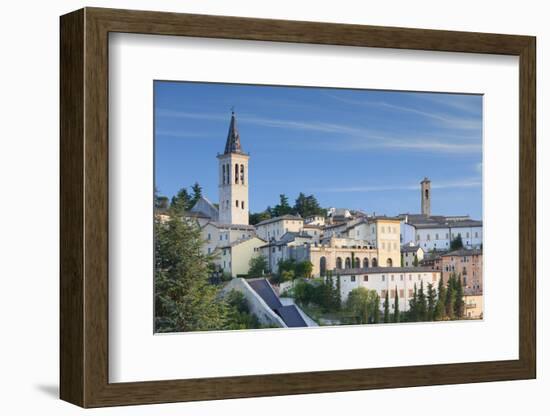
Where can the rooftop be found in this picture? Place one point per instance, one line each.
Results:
(281, 218)
(377, 270)
(463, 252)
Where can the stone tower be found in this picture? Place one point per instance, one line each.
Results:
(233, 179)
(425, 196)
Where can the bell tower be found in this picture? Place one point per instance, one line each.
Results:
(233, 179)
(425, 196)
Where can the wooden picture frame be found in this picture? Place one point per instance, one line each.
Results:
(84, 207)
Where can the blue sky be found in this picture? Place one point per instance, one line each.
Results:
(360, 149)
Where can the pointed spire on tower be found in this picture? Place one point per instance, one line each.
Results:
(233, 143)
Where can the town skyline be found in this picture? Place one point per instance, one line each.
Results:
(299, 138)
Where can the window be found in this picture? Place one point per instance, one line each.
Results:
(467, 235)
(223, 174)
(401, 293)
(410, 293)
(383, 246)
(476, 235)
(383, 230)
(236, 173)
(209, 237)
(446, 235)
(365, 263)
(242, 174)
(348, 263)
(209, 250)
(436, 236)
(353, 278)
(428, 237)
(374, 262)
(383, 278)
(237, 203)
(224, 252)
(392, 293)
(338, 262)
(392, 277)
(357, 262)
(221, 237)
(401, 277)
(365, 278)
(273, 249)
(242, 204)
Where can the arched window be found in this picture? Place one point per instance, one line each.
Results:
(357, 263)
(323, 266)
(242, 204)
(338, 262)
(348, 263)
(365, 263)
(236, 173)
(242, 174)
(374, 262)
(228, 171)
(427, 193)
(224, 175)
(237, 203)
(389, 263)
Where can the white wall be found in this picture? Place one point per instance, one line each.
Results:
(29, 172)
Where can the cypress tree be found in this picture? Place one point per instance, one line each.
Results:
(376, 312)
(451, 297)
(441, 299)
(396, 307)
(431, 302)
(387, 308)
(421, 306)
(459, 301)
(413, 306)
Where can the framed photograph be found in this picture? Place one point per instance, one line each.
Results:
(257, 207)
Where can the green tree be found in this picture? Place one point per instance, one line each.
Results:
(396, 317)
(431, 302)
(456, 244)
(439, 312)
(422, 307)
(257, 266)
(180, 202)
(450, 299)
(304, 269)
(361, 305)
(415, 261)
(238, 312)
(459, 300)
(257, 217)
(197, 194)
(387, 308)
(283, 207)
(413, 306)
(306, 206)
(376, 317)
(184, 299)
(304, 292)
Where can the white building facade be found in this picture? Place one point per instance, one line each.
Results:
(388, 280)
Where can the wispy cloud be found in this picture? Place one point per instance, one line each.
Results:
(464, 183)
(444, 120)
(344, 137)
(180, 134)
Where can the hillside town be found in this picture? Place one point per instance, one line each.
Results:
(409, 264)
